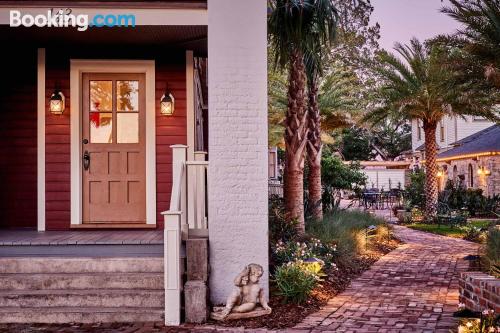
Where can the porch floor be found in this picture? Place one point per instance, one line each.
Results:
(100, 243)
(102, 237)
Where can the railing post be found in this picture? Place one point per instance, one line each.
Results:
(172, 267)
(174, 228)
(179, 153)
(200, 196)
(191, 196)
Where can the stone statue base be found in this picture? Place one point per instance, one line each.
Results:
(257, 312)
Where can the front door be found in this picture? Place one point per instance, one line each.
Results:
(113, 148)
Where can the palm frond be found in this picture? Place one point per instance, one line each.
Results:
(481, 22)
(423, 85)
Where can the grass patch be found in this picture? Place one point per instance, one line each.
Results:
(450, 231)
(347, 230)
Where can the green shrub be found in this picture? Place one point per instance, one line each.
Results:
(294, 283)
(336, 176)
(493, 205)
(453, 195)
(456, 196)
(346, 229)
(279, 227)
(415, 191)
(492, 252)
(472, 233)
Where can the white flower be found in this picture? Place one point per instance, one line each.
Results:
(461, 306)
(487, 312)
(469, 324)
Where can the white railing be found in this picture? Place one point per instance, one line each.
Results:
(197, 219)
(186, 217)
(275, 188)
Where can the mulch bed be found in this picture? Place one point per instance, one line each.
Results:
(289, 315)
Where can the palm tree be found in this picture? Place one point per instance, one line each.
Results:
(339, 102)
(294, 26)
(420, 87)
(315, 56)
(339, 98)
(481, 32)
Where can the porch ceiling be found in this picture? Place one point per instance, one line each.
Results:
(173, 37)
(177, 4)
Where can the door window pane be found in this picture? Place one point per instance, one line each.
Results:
(101, 127)
(101, 96)
(127, 95)
(128, 127)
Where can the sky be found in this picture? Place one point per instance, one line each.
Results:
(400, 20)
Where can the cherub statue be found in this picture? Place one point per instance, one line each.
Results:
(246, 296)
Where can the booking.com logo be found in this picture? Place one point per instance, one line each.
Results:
(65, 18)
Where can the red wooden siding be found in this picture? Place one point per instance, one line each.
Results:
(169, 130)
(18, 133)
(57, 144)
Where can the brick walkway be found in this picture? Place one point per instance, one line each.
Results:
(412, 289)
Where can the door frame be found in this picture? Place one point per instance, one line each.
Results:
(77, 68)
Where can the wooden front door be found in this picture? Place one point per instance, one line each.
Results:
(113, 148)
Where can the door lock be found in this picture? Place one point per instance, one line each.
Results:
(86, 160)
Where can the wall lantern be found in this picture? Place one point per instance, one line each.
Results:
(57, 102)
(440, 174)
(167, 104)
(483, 171)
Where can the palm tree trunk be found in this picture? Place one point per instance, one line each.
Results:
(314, 148)
(431, 169)
(295, 142)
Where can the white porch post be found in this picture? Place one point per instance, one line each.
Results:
(237, 118)
(175, 226)
(41, 141)
(172, 267)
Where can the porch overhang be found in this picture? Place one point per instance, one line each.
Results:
(168, 37)
(146, 12)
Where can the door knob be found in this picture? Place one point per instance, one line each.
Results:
(86, 160)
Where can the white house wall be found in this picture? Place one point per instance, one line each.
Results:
(237, 94)
(385, 178)
(455, 128)
(469, 126)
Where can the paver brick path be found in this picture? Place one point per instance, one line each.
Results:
(412, 289)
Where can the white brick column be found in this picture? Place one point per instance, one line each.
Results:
(237, 122)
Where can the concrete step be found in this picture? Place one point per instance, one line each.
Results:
(69, 281)
(59, 315)
(56, 265)
(82, 298)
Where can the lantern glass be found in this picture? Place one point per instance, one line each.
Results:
(167, 104)
(57, 103)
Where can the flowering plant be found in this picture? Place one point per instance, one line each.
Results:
(487, 323)
(302, 251)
